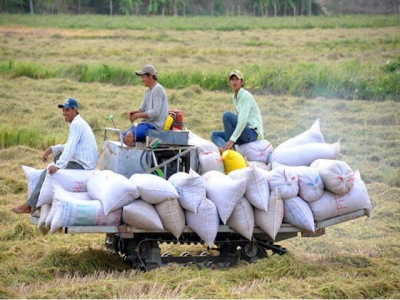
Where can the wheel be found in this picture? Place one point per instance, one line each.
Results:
(211, 265)
(205, 253)
(112, 243)
(151, 266)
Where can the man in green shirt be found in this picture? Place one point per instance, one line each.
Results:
(246, 125)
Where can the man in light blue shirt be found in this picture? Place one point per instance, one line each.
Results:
(79, 152)
(246, 125)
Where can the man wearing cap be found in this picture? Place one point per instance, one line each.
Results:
(79, 152)
(246, 125)
(154, 108)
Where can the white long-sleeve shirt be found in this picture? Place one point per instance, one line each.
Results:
(81, 146)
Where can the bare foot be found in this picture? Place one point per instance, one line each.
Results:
(129, 139)
(22, 209)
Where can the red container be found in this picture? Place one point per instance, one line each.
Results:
(177, 114)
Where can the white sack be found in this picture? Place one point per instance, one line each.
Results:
(242, 218)
(71, 180)
(311, 186)
(224, 191)
(69, 211)
(154, 189)
(172, 216)
(205, 223)
(50, 213)
(141, 214)
(259, 150)
(332, 205)
(202, 144)
(191, 188)
(210, 161)
(285, 180)
(260, 165)
(44, 212)
(312, 135)
(32, 176)
(80, 195)
(112, 189)
(298, 213)
(270, 221)
(257, 187)
(304, 155)
(49, 217)
(337, 175)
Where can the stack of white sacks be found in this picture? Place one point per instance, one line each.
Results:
(300, 182)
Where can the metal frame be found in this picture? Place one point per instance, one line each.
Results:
(285, 227)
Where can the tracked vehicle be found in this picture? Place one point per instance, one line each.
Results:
(163, 154)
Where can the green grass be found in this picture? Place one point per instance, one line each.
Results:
(344, 81)
(204, 23)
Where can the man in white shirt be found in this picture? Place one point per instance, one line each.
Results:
(79, 152)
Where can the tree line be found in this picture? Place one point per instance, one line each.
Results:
(164, 7)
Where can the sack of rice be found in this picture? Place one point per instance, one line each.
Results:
(257, 187)
(224, 191)
(172, 216)
(311, 186)
(285, 180)
(191, 188)
(154, 189)
(210, 161)
(71, 180)
(259, 150)
(337, 176)
(242, 218)
(332, 205)
(112, 189)
(260, 165)
(141, 214)
(312, 135)
(298, 213)
(233, 160)
(202, 144)
(270, 221)
(205, 223)
(202, 147)
(44, 212)
(69, 211)
(304, 155)
(32, 176)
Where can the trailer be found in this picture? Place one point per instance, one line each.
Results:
(163, 154)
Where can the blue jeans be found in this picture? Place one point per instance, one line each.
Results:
(229, 119)
(140, 131)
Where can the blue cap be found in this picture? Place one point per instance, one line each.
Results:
(69, 103)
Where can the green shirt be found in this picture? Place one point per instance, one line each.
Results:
(248, 114)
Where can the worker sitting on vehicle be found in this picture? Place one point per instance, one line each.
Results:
(246, 125)
(79, 152)
(153, 110)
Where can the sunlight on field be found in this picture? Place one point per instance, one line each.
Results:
(355, 259)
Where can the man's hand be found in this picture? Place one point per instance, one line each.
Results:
(53, 169)
(227, 146)
(46, 154)
(133, 117)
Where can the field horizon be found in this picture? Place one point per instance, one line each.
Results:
(355, 259)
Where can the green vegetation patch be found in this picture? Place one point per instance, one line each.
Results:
(221, 23)
(347, 80)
